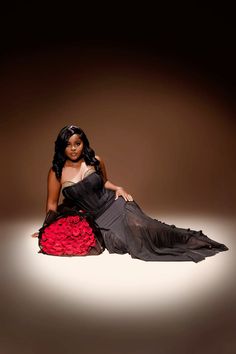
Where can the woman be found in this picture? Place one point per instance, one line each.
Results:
(80, 176)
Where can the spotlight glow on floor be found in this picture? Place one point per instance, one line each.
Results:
(114, 284)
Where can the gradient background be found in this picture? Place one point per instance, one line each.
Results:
(158, 107)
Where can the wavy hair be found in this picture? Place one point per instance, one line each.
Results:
(59, 158)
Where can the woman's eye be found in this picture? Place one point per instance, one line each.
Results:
(78, 143)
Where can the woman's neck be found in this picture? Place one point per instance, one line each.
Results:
(74, 163)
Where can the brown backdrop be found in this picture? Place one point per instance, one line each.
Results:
(166, 132)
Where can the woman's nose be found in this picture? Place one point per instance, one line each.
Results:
(73, 147)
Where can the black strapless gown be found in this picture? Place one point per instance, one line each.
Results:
(127, 229)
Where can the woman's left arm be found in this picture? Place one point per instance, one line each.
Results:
(108, 185)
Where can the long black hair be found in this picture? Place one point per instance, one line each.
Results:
(59, 158)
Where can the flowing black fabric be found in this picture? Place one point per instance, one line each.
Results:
(127, 229)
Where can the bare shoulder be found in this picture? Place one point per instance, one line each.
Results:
(103, 168)
(51, 173)
(52, 177)
(98, 157)
(53, 190)
(100, 160)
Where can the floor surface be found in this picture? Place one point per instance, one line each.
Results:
(115, 304)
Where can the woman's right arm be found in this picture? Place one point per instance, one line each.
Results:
(53, 191)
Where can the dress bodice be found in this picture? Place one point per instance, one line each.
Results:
(71, 182)
(89, 194)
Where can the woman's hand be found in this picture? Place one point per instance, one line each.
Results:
(36, 234)
(121, 192)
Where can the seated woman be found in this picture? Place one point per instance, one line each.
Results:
(81, 178)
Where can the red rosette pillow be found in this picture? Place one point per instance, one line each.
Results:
(69, 235)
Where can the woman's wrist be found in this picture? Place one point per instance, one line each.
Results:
(50, 216)
(117, 188)
(112, 186)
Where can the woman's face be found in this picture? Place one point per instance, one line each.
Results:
(74, 147)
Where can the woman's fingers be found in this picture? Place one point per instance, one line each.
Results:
(35, 234)
(127, 197)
